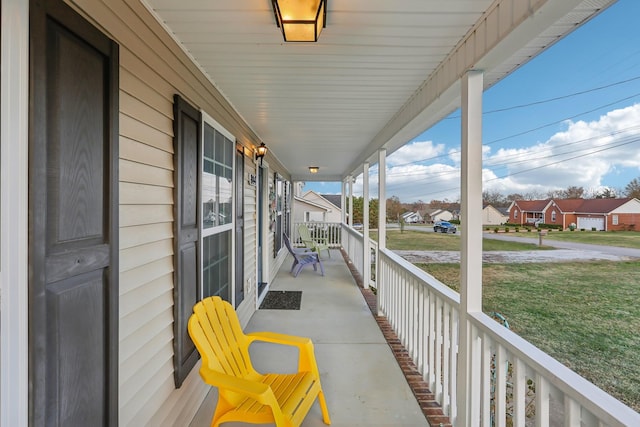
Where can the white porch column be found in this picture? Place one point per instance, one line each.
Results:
(382, 198)
(468, 398)
(14, 307)
(343, 202)
(366, 258)
(350, 218)
(382, 215)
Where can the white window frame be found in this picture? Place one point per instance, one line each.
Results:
(210, 121)
(614, 219)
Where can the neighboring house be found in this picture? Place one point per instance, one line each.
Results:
(312, 206)
(412, 217)
(587, 214)
(494, 216)
(527, 212)
(441, 215)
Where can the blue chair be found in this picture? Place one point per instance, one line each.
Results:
(302, 257)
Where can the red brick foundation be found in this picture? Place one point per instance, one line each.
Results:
(430, 408)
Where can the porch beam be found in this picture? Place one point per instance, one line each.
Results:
(468, 397)
(14, 308)
(366, 256)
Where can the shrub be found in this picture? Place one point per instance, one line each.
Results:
(517, 229)
(495, 230)
(506, 229)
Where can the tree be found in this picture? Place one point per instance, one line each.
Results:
(358, 211)
(633, 188)
(572, 192)
(494, 198)
(515, 196)
(606, 193)
(394, 209)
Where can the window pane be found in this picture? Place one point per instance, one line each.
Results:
(217, 180)
(216, 265)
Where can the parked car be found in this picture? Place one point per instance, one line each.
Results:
(444, 227)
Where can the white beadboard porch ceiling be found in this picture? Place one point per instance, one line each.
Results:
(382, 72)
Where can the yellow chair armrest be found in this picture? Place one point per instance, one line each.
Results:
(307, 358)
(278, 338)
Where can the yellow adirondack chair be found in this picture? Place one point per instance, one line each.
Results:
(316, 244)
(246, 395)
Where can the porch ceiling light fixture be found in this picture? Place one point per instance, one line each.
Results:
(314, 169)
(300, 20)
(261, 150)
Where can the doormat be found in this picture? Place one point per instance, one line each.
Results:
(282, 300)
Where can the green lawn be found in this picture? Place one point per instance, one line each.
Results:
(429, 241)
(585, 314)
(625, 239)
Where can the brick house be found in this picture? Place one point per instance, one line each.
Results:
(598, 214)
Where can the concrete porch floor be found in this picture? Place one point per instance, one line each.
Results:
(362, 381)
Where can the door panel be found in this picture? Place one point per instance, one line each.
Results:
(73, 205)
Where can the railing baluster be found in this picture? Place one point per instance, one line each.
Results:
(431, 342)
(438, 349)
(501, 387)
(519, 379)
(487, 380)
(446, 355)
(571, 412)
(542, 401)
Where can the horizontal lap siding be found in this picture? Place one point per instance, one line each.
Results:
(152, 70)
(146, 249)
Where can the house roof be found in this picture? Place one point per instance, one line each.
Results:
(381, 73)
(590, 205)
(310, 203)
(334, 199)
(532, 205)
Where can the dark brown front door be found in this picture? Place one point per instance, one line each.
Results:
(73, 223)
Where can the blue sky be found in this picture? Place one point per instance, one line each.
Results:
(569, 117)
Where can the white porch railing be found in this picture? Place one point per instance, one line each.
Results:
(353, 244)
(512, 379)
(331, 231)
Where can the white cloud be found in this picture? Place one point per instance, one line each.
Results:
(586, 154)
(414, 152)
(582, 155)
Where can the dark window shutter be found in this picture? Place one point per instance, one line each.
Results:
(186, 129)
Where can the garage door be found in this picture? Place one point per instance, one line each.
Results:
(589, 223)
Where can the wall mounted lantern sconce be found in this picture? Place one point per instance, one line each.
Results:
(314, 169)
(300, 20)
(261, 150)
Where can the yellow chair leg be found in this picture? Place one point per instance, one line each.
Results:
(323, 408)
